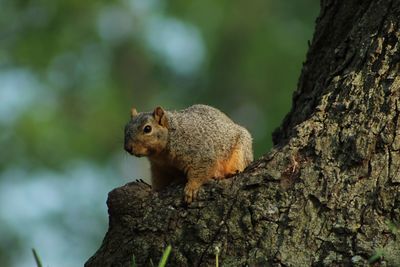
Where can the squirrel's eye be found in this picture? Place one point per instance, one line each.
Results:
(147, 129)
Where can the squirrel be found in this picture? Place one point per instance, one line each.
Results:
(192, 145)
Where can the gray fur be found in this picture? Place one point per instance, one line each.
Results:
(206, 134)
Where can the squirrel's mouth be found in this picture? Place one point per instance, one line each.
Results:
(136, 150)
(130, 150)
(136, 154)
(139, 155)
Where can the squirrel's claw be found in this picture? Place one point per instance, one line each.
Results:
(142, 182)
(190, 194)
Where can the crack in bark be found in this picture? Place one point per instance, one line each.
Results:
(222, 224)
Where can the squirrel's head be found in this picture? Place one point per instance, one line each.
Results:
(146, 134)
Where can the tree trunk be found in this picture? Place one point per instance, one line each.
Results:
(326, 192)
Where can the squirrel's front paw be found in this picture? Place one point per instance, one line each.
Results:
(191, 192)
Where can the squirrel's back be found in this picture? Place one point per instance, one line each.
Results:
(205, 133)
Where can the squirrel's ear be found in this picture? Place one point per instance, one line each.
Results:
(134, 112)
(160, 116)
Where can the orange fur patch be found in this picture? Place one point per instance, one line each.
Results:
(230, 166)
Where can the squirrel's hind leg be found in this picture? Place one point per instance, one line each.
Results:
(235, 163)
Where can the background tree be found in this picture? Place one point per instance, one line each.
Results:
(326, 192)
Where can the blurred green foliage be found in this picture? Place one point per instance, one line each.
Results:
(71, 70)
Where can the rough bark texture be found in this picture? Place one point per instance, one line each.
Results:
(322, 196)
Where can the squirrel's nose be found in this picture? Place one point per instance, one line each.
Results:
(129, 148)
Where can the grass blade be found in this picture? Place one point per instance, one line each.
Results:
(133, 264)
(37, 258)
(216, 256)
(378, 255)
(165, 256)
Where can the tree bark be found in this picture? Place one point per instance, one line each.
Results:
(323, 196)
